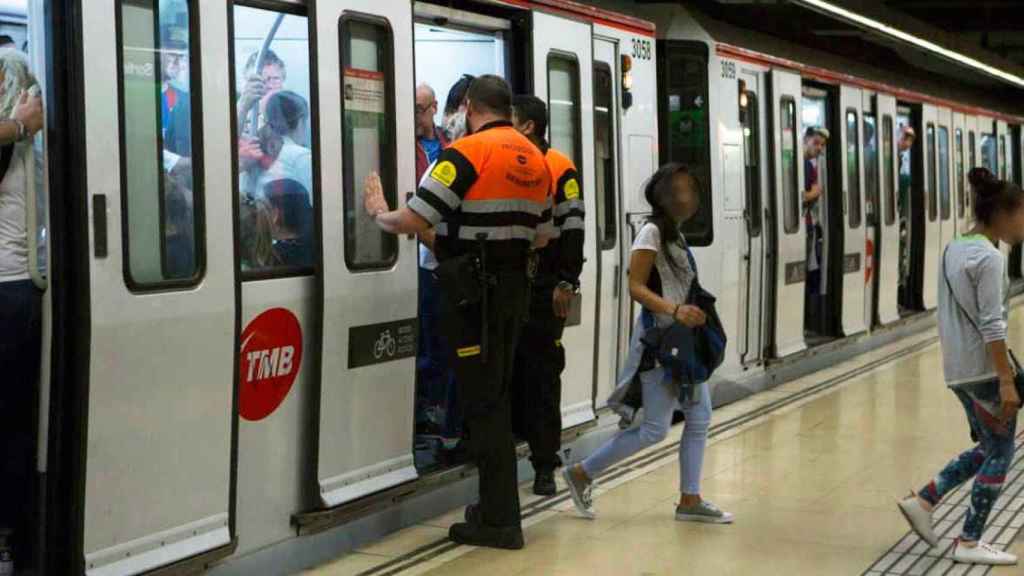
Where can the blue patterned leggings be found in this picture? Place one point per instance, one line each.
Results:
(987, 462)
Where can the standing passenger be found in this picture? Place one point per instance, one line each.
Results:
(973, 314)
(660, 277)
(540, 358)
(20, 302)
(489, 194)
(815, 140)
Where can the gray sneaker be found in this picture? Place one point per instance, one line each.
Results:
(581, 493)
(703, 512)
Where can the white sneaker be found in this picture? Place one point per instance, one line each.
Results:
(982, 554)
(920, 520)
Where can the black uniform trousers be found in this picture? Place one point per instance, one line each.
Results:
(20, 343)
(537, 392)
(484, 386)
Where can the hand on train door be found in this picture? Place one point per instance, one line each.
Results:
(373, 195)
(29, 111)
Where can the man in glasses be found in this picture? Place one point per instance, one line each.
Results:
(430, 139)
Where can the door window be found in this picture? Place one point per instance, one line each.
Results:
(790, 189)
(1002, 157)
(161, 160)
(874, 209)
(750, 117)
(275, 158)
(959, 155)
(853, 168)
(564, 106)
(368, 127)
(932, 161)
(605, 148)
(945, 203)
(889, 165)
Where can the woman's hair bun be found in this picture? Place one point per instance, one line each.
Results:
(982, 179)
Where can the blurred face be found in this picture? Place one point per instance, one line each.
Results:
(173, 63)
(426, 108)
(685, 201)
(814, 146)
(273, 77)
(906, 141)
(1009, 226)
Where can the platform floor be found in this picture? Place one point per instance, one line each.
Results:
(811, 469)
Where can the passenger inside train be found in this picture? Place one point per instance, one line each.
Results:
(275, 159)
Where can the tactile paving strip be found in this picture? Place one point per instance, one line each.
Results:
(912, 556)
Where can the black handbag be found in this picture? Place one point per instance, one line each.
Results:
(1018, 376)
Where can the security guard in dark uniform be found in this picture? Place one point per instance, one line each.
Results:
(540, 358)
(488, 197)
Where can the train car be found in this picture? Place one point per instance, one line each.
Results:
(229, 360)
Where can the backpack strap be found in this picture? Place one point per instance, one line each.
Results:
(949, 286)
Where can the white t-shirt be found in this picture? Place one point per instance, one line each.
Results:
(13, 228)
(675, 279)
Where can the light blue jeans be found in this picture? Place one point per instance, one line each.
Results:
(660, 400)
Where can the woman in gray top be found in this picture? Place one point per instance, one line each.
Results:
(972, 328)
(659, 251)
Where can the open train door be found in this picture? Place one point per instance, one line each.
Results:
(156, 469)
(789, 257)
(563, 77)
(854, 230)
(367, 381)
(887, 254)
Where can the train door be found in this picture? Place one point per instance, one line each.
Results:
(944, 177)
(368, 326)
(278, 357)
(932, 224)
(1014, 175)
(887, 252)
(910, 206)
(823, 216)
(853, 284)
(753, 263)
(789, 239)
(159, 415)
(563, 77)
(611, 324)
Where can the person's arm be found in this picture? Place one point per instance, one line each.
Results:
(401, 221)
(993, 330)
(26, 119)
(569, 217)
(640, 264)
(427, 238)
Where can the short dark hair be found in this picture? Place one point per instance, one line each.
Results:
(490, 93)
(813, 131)
(993, 196)
(529, 107)
(5, 40)
(285, 110)
(457, 94)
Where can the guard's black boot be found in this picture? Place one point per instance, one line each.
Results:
(505, 537)
(473, 515)
(544, 483)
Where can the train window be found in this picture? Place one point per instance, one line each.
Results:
(564, 106)
(853, 168)
(1002, 157)
(988, 153)
(889, 165)
(683, 101)
(749, 114)
(790, 192)
(944, 192)
(605, 151)
(161, 184)
(932, 161)
(275, 162)
(368, 119)
(959, 157)
(873, 208)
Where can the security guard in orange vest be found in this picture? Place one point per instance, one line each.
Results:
(488, 197)
(540, 358)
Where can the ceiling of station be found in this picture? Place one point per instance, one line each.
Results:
(996, 26)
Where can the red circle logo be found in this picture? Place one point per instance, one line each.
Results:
(269, 362)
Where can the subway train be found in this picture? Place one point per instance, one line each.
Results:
(229, 351)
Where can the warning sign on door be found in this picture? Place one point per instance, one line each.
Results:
(364, 91)
(270, 357)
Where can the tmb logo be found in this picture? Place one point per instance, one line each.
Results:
(270, 359)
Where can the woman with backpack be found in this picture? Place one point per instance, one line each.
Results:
(972, 317)
(660, 279)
